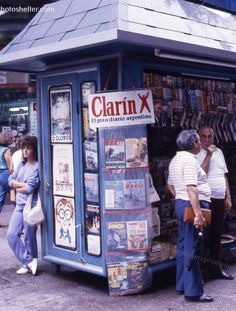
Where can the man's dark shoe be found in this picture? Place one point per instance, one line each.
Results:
(203, 298)
(223, 275)
(179, 292)
(3, 225)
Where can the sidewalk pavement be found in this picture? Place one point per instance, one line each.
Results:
(71, 290)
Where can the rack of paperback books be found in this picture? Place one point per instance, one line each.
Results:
(127, 212)
(185, 102)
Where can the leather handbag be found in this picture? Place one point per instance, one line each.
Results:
(189, 215)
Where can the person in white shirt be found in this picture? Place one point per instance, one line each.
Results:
(187, 183)
(212, 161)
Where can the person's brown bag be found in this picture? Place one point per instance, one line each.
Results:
(189, 215)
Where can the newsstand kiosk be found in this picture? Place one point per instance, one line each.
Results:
(110, 106)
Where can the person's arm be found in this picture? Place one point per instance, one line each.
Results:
(206, 162)
(7, 157)
(228, 202)
(171, 189)
(199, 220)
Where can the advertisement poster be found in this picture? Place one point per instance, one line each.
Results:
(115, 153)
(121, 108)
(136, 152)
(61, 119)
(63, 170)
(91, 187)
(64, 216)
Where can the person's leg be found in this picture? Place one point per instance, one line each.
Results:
(4, 187)
(216, 228)
(193, 285)
(13, 236)
(30, 240)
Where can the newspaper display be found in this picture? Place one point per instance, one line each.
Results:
(63, 170)
(89, 134)
(136, 152)
(93, 244)
(91, 155)
(91, 187)
(137, 234)
(128, 277)
(64, 219)
(61, 118)
(115, 153)
(92, 216)
(126, 194)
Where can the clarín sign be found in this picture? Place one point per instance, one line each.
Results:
(121, 108)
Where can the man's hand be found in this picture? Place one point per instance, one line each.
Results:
(228, 205)
(210, 149)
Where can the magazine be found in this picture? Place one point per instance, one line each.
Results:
(136, 152)
(126, 194)
(114, 153)
(116, 236)
(89, 134)
(134, 194)
(137, 235)
(91, 155)
(91, 187)
(114, 194)
(128, 276)
(92, 216)
(93, 244)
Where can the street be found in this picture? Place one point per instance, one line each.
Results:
(71, 290)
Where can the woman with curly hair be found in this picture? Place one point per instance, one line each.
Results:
(25, 180)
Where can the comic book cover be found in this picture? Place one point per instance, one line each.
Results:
(138, 274)
(61, 121)
(116, 236)
(114, 194)
(92, 216)
(114, 153)
(91, 155)
(63, 170)
(137, 234)
(91, 187)
(136, 152)
(134, 194)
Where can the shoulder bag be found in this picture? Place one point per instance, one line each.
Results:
(33, 216)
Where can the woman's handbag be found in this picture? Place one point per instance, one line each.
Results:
(33, 216)
(189, 215)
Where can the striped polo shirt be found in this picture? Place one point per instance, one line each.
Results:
(184, 171)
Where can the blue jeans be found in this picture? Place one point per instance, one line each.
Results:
(25, 250)
(4, 187)
(189, 281)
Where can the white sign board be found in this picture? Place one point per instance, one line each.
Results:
(121, 108)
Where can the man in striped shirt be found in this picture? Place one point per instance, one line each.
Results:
(187, 182)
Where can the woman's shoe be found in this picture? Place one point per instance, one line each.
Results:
(23, 270)
(32, 266)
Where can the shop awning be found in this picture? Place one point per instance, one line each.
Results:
(72, 30)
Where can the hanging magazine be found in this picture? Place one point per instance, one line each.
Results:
(114, 153)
